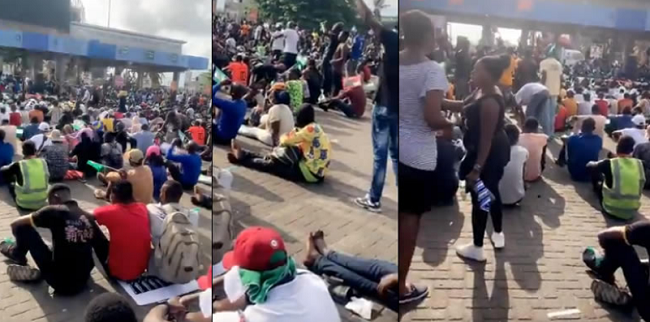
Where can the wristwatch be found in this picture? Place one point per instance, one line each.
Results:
(477, 167)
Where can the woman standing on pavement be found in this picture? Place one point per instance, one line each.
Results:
(422, 83)
(488, 151)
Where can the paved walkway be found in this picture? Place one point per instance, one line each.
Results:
(34, 302)
(539, 272)
(296, 209)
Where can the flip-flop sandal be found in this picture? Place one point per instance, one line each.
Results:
(416, 294)
(7, 247)
(20, 273)
(610, 294)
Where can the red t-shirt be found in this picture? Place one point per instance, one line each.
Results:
(560, 119)
(198, 134)
(357, 99)
(603, 107)
(15, 119)
(130, 244)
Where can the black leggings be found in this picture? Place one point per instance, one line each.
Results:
(618, 254)
(490, 178)
(270, 165)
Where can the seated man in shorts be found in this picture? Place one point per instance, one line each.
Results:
(140, 177)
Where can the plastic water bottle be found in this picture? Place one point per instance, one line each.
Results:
(484, 195)
(194, 216)
(592, 258)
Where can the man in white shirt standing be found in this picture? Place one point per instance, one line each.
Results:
(551, 71)
(263, 284)
(291, 38)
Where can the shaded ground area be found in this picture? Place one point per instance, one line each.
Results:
(34, 302)
(540, 271)
(296, 209)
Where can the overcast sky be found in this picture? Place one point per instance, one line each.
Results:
(187, 20)
(390, 11)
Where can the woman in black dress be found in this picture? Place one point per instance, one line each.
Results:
(488, 150)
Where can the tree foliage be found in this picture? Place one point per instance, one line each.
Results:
(308, 13)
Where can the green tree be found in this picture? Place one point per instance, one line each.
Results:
(309, 13)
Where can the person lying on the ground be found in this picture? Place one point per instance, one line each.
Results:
(139, 175)
(128, 225)
(304, 154)
(351, 101)
(617, 243)
(27, 179)
(638, 133)
(535, 143)
(366, 277)
(618, 182)
(512, 187)
(580, 149)
(66, 266)
(232, 113)
(188, 169)
(111, 307)
(277, 122)
(170, 198)
(599, 121)
(265, 285)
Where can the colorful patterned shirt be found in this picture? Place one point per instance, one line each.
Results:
(316, 149)
(295, 89)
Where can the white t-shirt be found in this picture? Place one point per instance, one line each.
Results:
(511, 185)
(553, 70)
(282, 113)
(584, 108)
(278, 43)
(38, 140)
(306, 298)
(291, 39)
(637, 134)
(526, 93)
(415, 81)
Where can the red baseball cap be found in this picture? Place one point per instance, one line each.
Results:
(257, 249)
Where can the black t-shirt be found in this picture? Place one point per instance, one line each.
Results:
(387, 94)
(267, 72)
(331, 48)
(72, 233)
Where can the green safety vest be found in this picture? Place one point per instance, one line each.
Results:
(32, 194)
(623, 200)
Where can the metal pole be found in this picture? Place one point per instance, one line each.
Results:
(109, 13)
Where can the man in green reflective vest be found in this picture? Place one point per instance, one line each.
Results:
(27, 179)
(619, 181)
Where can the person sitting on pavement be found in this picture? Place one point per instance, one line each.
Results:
(111, 152)
(585, 107)
(372, 278)
(126, 255)
(6, 153)
(618, 182)
(144, 138)
(580, 149)
(351, 101)
(56, 156)
(274, 124)
(188, 170)
(267, 286)
(296, 89)
(86, 150)
(31, 129)
(170, 198)
(140, 176)
(67, 265)
(599, 121)
(197, 132)
(11, 135)
(232, 113)
(450, 153)
(638, 133)
(512, 187)
(642, 152)
(619, 122)
(618, 252)
(570, 104)
(27, 179)
(536, 144)
(156, 163)
(41, 140)
(111, 307)
(303, 155)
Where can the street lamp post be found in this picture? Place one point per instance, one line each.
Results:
(109, 14)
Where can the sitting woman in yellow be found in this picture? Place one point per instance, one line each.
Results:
(303, 155)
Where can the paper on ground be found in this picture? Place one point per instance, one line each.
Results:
(561, 314)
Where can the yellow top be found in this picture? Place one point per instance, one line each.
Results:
(316, 149)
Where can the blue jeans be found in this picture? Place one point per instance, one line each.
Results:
(362, 275)
(549, 128)
(384, 140)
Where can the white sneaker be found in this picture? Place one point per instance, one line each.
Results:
(499, 240)
(472, 252)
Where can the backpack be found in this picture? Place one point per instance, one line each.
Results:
(177, 251)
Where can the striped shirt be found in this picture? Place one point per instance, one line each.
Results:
(417, 148)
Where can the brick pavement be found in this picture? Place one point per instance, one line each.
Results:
(34, 302)
(296, 209)
(540, 270)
